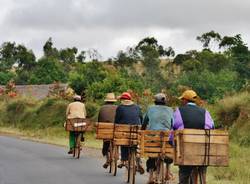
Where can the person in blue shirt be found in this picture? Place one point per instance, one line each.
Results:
(157, 117)
(128, 113)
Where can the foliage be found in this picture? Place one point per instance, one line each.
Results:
(234, 111)
(124, 59)
(117, 83)
(85, 75)
(208, 37)
(5, 77)
(68, 55)
(50, 51)
(47, 71)
(7, 56)
(209, 86)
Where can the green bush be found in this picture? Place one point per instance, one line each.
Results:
(234, 112)
(85, 75)
(92, 109)
(210, 86)
(5, 77)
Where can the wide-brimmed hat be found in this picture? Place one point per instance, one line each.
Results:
(190, 95)
(110, 97)
(125, 96)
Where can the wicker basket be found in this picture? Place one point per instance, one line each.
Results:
(78, 125)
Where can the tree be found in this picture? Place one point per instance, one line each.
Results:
(81, 57)
(149, 44)
(5, 77)
(25, 58)
(180, 58)
(94, 55)
(123, 59)
(238, 50)
(47, 71)
(49, 50)
(213, 62)
(210, 86)
(68, 55)
(7, 56)
(192, 65)
(148, 51)
(86, 74)
(207, 38)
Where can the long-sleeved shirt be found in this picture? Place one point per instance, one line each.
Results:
(76, 110)
(128, 114)
(107, 113)
(183, 120)
(158, 117)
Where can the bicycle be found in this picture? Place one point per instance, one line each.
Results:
(198, 176)
(77, 147)
(127, 135)
(114, 156)
(79, 126)
(155, 145)
(105, 131)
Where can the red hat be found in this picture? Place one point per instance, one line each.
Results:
(126, 96)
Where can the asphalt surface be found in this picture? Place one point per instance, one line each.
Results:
(27, 162)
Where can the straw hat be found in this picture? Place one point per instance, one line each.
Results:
(110, 97)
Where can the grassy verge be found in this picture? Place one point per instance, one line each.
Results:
(57, 136)
(238, 170)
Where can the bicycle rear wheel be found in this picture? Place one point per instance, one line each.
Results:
(131, 168)
(114, 158)
(160, 173)
(78, 145)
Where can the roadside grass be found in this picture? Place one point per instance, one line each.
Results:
(55, 135)
(238, 171)
(42, 121)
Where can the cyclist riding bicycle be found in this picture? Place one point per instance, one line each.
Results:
(107, 114)
(128, 113)
(74, 110)
(190, 115)
(157, 117)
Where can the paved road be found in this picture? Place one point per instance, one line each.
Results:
(27, 162)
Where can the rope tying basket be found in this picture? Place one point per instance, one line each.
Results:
(78, 125)
(201, 147)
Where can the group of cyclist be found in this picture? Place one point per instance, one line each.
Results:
(157, 117)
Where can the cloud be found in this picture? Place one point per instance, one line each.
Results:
(112, 25)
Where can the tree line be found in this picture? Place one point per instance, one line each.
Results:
(222, 66)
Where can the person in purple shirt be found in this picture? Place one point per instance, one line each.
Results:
(189, 115)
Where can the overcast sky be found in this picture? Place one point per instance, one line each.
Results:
(112, 25)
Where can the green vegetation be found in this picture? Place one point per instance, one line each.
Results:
(43, 120)
(220, 73)
(210, 73)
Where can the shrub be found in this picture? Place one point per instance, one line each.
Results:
(210, 86)
(234, 112)
(5, 77)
